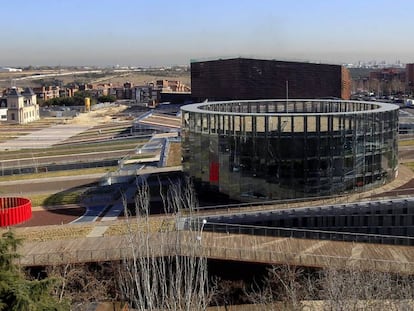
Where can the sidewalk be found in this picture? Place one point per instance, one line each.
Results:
(44, 138)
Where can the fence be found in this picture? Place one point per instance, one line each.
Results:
(14, 210)
(235, 208)
(306, 233)
(200, 249)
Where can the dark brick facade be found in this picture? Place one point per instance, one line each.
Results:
(409, 69)
(242, 78)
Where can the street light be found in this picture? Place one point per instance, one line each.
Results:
(201, 230)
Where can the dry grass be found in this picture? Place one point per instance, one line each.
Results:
(402, 143)
(116, 78)
(49, 233)
(174, 154)
(74, 231)
(99, 116)
(410, 165)
(156, 224)
(139, 78)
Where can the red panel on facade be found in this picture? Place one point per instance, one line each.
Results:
(14, 211)
(214, 171)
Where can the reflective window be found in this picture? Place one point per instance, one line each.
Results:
(273, 149)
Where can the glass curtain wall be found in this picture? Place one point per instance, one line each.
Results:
(278, 149)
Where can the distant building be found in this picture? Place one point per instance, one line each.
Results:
(409, 77)
(387, 81)
(3, 114)
(388, 74)
(3, 109)
(127, 91)
(22, 107)
(173, 91)
(103, 88)
(9, 69)
(47, 92)
(145, 94)
(166, 86)
(243, 78)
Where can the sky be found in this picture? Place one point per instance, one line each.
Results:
(163, 33)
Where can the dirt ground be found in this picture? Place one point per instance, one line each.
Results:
(97, 117)
(115, 78)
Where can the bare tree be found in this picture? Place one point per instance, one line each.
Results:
(285, 286)
(289, 288)
(354, 289)
(163, 270)
(227, 292)
(83, 283)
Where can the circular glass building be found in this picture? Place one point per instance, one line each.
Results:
(279, 149)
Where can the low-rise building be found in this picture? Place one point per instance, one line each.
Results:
(166, 86)
(47, 92)
(152, 93)
(142, 93)
(3, 109)
(409, 77)
(22, 107)
(10, 69)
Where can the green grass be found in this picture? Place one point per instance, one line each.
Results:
(85, 171)
(72, 196)
(39, 199)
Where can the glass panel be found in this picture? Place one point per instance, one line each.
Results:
(298, 124)
(311, 124)
(323, 124)
(260, 124)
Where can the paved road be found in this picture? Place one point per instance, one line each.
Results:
(64, 159)
(92, 213)
(52, 184)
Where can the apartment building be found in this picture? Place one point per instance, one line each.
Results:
(409, 77)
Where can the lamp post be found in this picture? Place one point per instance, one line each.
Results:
(287, 95)
(199, 237)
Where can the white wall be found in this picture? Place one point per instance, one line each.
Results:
(3, 114)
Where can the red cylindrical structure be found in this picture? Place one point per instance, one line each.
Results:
(14, 210)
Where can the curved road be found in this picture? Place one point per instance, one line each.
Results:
(52, 184)
(64, 159)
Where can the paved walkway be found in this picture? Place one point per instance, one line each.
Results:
(44, 138)
(236, 247)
